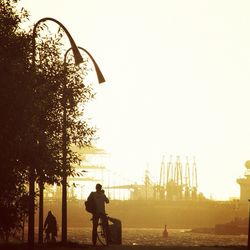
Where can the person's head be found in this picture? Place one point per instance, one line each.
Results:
(98, 187)
(49, 213)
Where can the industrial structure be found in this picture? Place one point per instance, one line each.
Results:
(245, 184)
(177, 181)
(87, 173)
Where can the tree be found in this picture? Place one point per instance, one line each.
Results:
(31, 111)
(14, 100)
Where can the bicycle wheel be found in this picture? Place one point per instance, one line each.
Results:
(101, 234)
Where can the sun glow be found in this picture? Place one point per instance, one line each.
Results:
(177, 83)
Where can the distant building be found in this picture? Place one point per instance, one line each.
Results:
(245, 184)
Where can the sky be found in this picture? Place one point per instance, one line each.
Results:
(177, 83)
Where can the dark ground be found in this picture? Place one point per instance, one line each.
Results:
(76, 246)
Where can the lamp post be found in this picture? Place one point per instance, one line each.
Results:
(64, 138)
(64, 135)
(78, 60)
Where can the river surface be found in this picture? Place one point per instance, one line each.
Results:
(153, 236)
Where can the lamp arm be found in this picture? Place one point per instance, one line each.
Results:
(77, 55)
(100, 76)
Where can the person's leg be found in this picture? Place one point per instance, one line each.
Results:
(53, 237)
(94, 229)
(47, 236)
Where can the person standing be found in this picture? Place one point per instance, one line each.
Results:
(50, 227)
(99, 199)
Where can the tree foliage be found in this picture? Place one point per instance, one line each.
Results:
(14, 99)
(31, 110)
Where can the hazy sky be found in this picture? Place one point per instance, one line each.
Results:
(177, 82)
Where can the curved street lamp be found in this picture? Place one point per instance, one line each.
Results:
(100, 76)
(77, 55)
(78, 60)
(101, 79)
(64, 136)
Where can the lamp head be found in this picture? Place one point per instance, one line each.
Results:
(100, 76)
(77, 55)
(76, 52)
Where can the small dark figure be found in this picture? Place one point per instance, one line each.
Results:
(99, 199)
(165, 232)
(50, 227)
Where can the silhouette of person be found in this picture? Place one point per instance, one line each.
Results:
(165, 232)
(50, 227)
(99, 199)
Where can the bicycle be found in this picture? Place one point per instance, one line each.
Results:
(102, 234)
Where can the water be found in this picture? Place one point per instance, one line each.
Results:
(153, 236)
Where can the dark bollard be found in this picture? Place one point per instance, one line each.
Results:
(248, 241)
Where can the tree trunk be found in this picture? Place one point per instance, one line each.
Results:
(31, 223)
(64, 210)
(40, 231)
